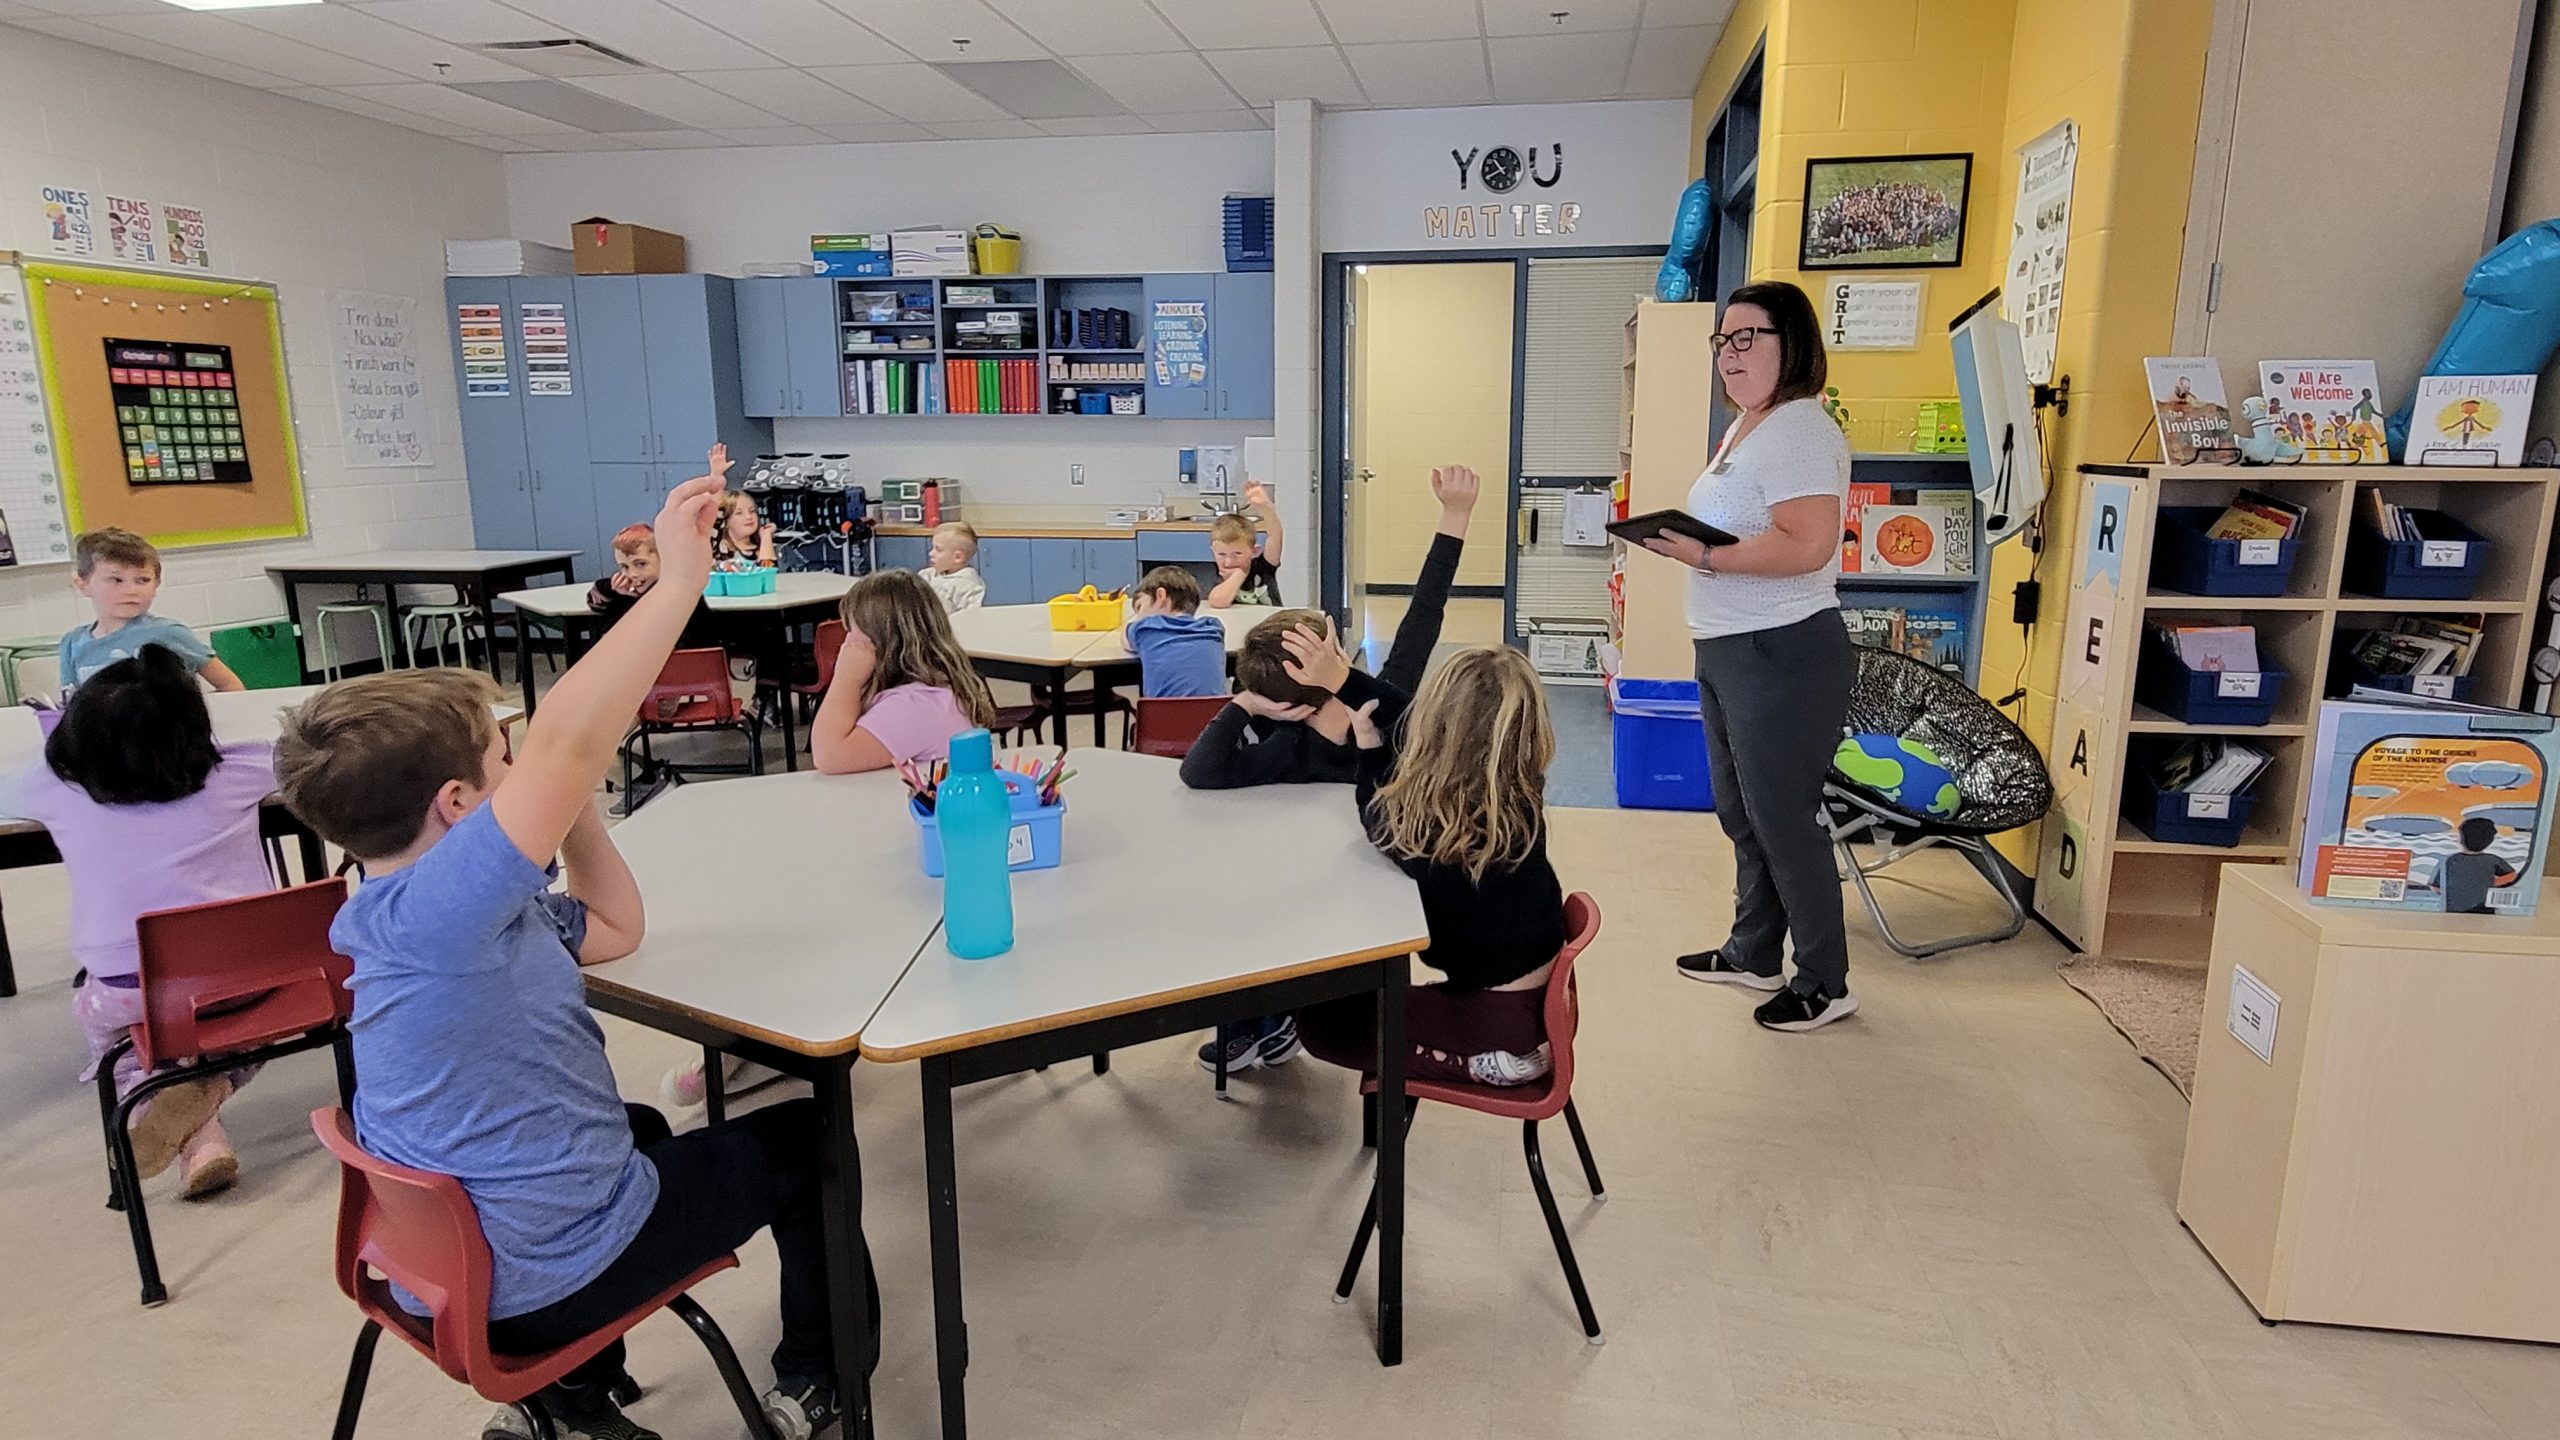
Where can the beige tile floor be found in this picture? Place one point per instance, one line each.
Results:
(1947, 1219)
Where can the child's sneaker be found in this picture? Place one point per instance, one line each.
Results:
(604, 1421)
(1249, 1047)
(682, 1089)
(168, 1118)
(800, 1409)
(207, 1161)
(1279, 1045)
(1502, 1067)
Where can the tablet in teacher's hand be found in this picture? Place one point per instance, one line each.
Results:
(1637, 529)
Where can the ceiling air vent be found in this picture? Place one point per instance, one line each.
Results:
(565, 57)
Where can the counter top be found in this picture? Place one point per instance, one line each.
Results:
(1048, 526)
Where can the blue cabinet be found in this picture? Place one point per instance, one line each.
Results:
(1057, 567)
(621, 495)
(904, 552)
(1240, 344)
(610, 352)
(1110, 564)
(657, 356)
(525, 454)
(790, 348)
(1004, 562)
(1183, 394)
(493, 440)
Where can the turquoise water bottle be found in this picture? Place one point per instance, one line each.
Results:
(976, 819)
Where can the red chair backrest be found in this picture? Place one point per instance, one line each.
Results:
(830, 643)
(404, 1226)
(237, 973)
(692, 689)
(1168, 726)
(1564, 1008)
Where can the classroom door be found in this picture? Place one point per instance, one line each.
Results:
(1428, 382)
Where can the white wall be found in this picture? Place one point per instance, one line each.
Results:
(309, 198)
(1380, 173)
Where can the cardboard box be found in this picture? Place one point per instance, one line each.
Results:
(610, 247)
(929, 252)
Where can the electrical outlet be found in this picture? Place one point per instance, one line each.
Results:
(1075, 474)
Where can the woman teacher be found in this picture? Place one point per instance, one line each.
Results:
(1774, 663)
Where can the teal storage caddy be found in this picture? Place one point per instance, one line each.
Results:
(740, 582)
(1035, 842)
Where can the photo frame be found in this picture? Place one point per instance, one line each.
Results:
(1885, 212)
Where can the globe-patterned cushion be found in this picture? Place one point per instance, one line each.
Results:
(1906, 771)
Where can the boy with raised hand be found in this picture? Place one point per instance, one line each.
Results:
(475, 1052)
(1248, 573)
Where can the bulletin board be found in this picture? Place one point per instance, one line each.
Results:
(126, 422)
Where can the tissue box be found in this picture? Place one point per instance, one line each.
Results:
(929, 252)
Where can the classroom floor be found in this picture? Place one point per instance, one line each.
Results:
(1946, 1219)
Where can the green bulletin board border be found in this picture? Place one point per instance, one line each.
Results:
(40, 274)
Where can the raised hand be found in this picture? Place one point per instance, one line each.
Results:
(684, 526)
(1257, 494)
(1364, 727)
(1456, 487)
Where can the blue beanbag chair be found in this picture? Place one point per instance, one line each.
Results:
(1906, 772)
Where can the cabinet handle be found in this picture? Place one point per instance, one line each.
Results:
(795, 399)
(781, 399)
(519, 479)
(537, 482)
(644, 442)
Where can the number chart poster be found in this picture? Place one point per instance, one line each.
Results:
(178, 413)
(1179, 335)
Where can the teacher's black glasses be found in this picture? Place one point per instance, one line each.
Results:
(1740, 339)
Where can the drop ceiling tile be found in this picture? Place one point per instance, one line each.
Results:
(1666, 14)
(371, 110)
(926, 28)
(1560, 67)
(1668, 61)
(1094, 27)
(775, 135)
(985, 130)
(1151, 83)
(912, 91)
(456, 108)
(1537, 17)
(87, 33)
(1193, 121)
(874, 134)
(458, 22)
(650, 31)
(1370, 22)
(794, 95)
(1303, 72)
(1095, 125)
(689, 104)
(797, 32)
(680, 140)
(343, 31)
(1247, 24)
(218, 38)
(1422, 72)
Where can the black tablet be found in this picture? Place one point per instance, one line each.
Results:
(1638, 529)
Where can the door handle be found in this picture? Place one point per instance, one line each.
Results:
(1366, 474)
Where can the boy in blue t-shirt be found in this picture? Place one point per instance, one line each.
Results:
(475, 1054)
(118, 572)
(1180, 651)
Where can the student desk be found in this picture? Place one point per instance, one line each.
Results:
(1014, 642)
(238, 715)
(789, 986)
(1109, 951)
(475, 575)
(795, 593)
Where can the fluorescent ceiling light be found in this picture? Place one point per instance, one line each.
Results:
(236, 4)
(1033, 89)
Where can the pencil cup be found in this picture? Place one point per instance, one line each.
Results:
(1034, 843)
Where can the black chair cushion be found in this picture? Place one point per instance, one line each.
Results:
(1997, 768)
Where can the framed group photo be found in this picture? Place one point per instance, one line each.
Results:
(1885, 212)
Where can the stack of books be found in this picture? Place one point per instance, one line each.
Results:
(2213, 647)
(2405, 523)
(2421, 646)
(2209, 765)
(2252, 515)
(505, 257)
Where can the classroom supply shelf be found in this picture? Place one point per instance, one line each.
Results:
(2110, 875)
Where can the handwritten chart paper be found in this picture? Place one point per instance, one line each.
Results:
(373, 341)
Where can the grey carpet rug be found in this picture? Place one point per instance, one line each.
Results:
(2156, 1004)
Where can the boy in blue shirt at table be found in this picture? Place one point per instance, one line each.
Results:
(1180, 651)
(118, 573)
(475, 1054)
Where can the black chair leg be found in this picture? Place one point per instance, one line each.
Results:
(1555, 1229)
(1101, 1062)
(715, 1087)
(707, 1331)
(1582, 1146)
(122, 1166)
(1369, 1213)
(359, 1371)
(786, 702)
(1369, 1120)
(342, 1052)
(538, 1416)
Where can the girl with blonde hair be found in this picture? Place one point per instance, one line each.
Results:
(903, 686)
(1460, 806)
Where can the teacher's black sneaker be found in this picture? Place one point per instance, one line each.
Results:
(1795, 1010)
(800, 1409)
(1716, 967)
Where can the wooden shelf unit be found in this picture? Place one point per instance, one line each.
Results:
(2108, 887)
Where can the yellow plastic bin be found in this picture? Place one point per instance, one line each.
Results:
(1087, 609)
(999, 250)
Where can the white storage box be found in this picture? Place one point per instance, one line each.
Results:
(929, 252)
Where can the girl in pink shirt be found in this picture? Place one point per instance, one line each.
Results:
(149, 814)
(903, 687)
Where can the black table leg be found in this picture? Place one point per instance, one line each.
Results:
(476, 596)
(8, 966)
(524, 657)
(1394, 975)
(1058, 709)
(942, 1207)
(848, 1261)
(1101, 711)
(293, 623)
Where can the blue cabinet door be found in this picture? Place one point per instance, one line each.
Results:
(816, 376)
(1240, 344)
(493, 444)
(611, 353)
(675, 325)
(1057, 568)
(555, 435)
(765, 346)
(905, 552)
(1004, 562)
(1110, 564)
(1182, 375)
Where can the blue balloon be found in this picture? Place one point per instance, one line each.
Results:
(2509, 322)
(1676, 280)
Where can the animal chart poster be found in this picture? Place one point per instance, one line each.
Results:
(2040, 244)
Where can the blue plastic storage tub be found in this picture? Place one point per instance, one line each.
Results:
(2444, 568)
(2169, 817)
(740, 582)
(2434, 687)
(2186, 559)
(2204, 697)
(1035, 842)
(1658, 737)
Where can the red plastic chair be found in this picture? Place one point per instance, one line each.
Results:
(1540, 1099)
(691, 695)
(231, 983)
(419, 1231)
(798, 699)
(1168, 726)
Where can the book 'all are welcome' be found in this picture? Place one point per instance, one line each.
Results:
(2470, 419)
(2194, 414)
(2331, 408)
